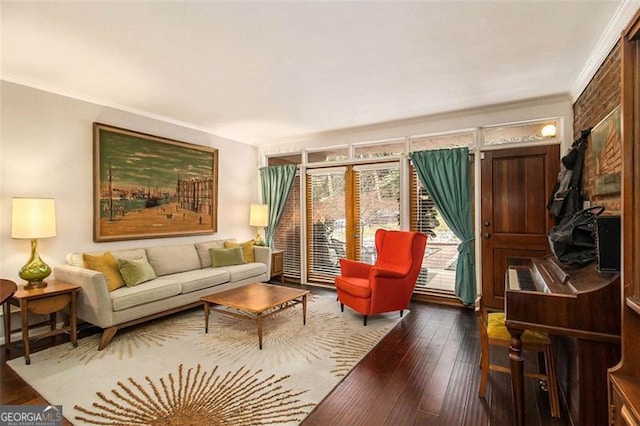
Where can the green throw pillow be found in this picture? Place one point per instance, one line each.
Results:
(226, 257)
(135, 271)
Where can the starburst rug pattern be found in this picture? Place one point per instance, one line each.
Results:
(169, 372)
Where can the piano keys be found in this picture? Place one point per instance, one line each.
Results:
(580, 308)
(522, 278)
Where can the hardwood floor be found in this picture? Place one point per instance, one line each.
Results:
(424, 372)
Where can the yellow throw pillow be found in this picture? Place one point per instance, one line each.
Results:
(108, 265)
(247, 249)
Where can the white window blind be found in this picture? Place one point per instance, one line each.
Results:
(439, 263)
(287, 235)
(325, 212)
(377, 205)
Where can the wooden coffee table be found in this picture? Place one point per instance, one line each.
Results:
(256, 302)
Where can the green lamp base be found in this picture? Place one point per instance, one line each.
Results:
(35, 270)
(35, 284)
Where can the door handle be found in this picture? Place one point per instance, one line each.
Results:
(487, 235)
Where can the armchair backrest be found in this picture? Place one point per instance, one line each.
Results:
(401, 251)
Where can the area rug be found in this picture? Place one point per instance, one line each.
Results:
(169, 372)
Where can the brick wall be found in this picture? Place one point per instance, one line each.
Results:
(601, 96)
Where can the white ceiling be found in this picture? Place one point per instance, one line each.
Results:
(264, 72)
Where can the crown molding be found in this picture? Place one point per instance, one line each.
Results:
(626, 11)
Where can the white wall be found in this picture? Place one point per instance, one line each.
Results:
(549, 107)
(46, 150)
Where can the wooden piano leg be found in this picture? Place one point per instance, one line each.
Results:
(517, 375)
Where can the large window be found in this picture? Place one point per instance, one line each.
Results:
(339, 153)
(444, 140)
(377, 203)
(287, 235)
(326, 222)
(534, 131)
(350, 190)
(379, 149)
(441, 255)
(345, 207)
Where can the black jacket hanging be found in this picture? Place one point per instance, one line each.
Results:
(566, 198)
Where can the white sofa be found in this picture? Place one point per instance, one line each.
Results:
(184, 275)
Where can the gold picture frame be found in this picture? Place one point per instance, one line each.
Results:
(606, 142)
(148, 186)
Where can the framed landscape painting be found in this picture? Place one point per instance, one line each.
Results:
(151, 187)
(606, 139)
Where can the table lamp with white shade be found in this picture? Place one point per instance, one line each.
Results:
(33, 218)
(259, 217)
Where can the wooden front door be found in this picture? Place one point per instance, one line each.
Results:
(516, 185)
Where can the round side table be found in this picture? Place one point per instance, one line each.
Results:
(7, 289)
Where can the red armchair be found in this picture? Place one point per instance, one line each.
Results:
(387, 285)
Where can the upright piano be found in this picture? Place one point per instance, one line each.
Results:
(580, 308)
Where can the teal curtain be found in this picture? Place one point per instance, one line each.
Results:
(445, 175)
(276, 184)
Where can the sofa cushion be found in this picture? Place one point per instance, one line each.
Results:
(247, 249)
(135, 271)
(150, 291)
(201, 278)
(203, 251)
(108, 265)
(75, 259)
(226, 257)
(130, 254)
(244, 271)
(167, 260)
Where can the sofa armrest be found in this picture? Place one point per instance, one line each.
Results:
(94, 302)
(262, 254)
